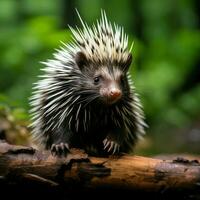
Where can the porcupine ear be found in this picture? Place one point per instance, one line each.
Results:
(81, 60)
(128, 62)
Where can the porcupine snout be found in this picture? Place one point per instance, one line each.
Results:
(111, 94)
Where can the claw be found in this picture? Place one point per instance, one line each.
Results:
(106, 144)
(105, 141)
(53, 148)
(66, 145)
(115, 148)
(61, 149)
(111, 146)
(57, 148)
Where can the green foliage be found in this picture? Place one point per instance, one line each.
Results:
(165, 68)
(9, 109)
(166, 53)
(22, 48)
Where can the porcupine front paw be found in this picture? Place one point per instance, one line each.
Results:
(112, 147)
(61, 149)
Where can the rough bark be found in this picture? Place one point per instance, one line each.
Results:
(25, 165)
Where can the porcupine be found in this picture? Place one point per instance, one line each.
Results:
(85, 98)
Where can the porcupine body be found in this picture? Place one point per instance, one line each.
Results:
(85, 98)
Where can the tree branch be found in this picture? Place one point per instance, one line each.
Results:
(24, 164)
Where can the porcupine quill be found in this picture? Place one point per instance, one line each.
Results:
(86, 98)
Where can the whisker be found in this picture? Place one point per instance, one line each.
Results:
(88, 99)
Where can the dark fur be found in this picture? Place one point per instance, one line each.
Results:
(101, 124)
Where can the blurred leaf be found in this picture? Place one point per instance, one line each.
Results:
(19, 114)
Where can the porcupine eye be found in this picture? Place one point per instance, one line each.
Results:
(81, 60)
(97, 80)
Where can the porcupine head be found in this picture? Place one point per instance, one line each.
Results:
(85, 98)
